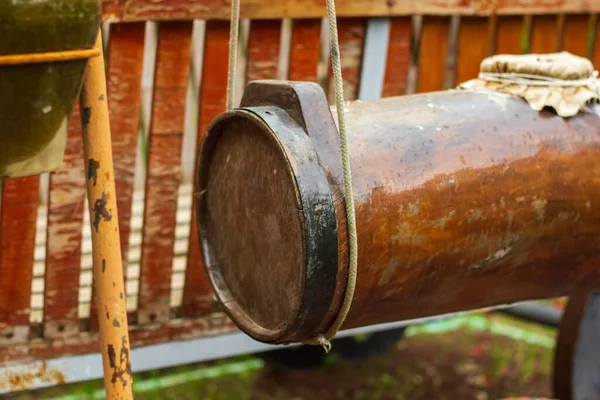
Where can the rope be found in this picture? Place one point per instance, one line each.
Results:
(39, 58)
(537, 80)
(233, 52)
(324, 339)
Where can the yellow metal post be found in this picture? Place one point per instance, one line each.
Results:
(108, 268)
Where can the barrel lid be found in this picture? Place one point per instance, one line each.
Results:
(266, 224)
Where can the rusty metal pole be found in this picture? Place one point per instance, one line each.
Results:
(108, 268)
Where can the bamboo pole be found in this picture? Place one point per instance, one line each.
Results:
(108, 268)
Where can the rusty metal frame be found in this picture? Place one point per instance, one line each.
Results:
(108, 270)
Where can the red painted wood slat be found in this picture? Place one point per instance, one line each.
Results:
(264, 45)
(398, 57)
(164, 170)
(575, 34)
(433, 54)
(472, 47)
(20, 198)
(509, 33)
(197, 293)
(63, 240)
(544, 34)
(352, 34)
(305, 50)
(124, 80)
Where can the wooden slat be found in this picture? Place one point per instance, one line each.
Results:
(264, 45)
(87, 342)
(508, 35)
(433, 53)
(20, 199)
(305, 50)
(164, 170)
(575, 34)
(125, 63)
(197, 292)
(544, 34)
(398, 57)
(268, 9)
(472, 47)
(352, 33)
(63, 241)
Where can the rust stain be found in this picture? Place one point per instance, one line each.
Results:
(122, 366)
(32, 375)
(86, 116)
(93, 167)
(100, 211)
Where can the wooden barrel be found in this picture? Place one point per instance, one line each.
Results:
(36, 100)
(464, 200)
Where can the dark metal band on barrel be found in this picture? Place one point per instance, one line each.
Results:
(319, 216)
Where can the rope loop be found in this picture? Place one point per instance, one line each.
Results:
(321, 339)
(324, 339)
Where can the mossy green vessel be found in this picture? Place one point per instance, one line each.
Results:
(36, 100)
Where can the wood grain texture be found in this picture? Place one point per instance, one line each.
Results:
(398, 57)
(575, 34)
(124, 81)
(63, 240)
(264, 44)
(305, 50)
(433, 54)
(132, 10)
(544, 34)
(197, 292)
(164, 170)
(508, 35)
(20, 197)
(352, 34)
(472, 47)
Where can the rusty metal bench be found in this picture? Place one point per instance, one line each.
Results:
(46, 305)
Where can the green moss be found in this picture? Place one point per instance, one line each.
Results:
(36, 99)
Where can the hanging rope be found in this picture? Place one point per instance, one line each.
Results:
(322, 339)
(233, 52)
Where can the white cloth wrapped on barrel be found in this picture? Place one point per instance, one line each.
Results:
(562, 81)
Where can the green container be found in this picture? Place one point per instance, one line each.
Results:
(36, 100)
